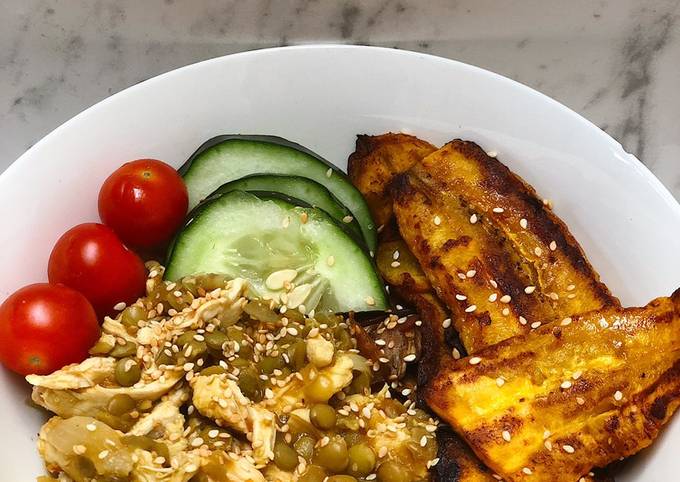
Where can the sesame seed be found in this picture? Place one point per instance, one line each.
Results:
(330, 261)
(395, 264)
(498, 210)
(548, 444)
(546, 434)
(379, 341)
(329, 172)
(370, 301)
(618, 395)
(418, 322)
(565, 384)
(577, 374)
(304, 217)
(475, 360)
(471, 273)
(446, 323)
(506, 311)
(522, 320)
(506, 299)
(461, 297)
(500, 381)
(568, 449)
(493, 283)
(566, 321)
(506, 436)
(434, 462)
(455, 353)
(571, 287)
(423, 441)
(199, 337)
(213, 433)
(580, 400)
(119, 306)
(79, 449)
(437, 220)
(538, 251)
(493, 297)
(523, 223)
(529, 289)
(470, 308)
(91, 427)
(405, 392)
(603, 323)
(347, 219)
(554, 296)
(535, 324)
(395, 255)
(527, 470)
(197, 442)
(473, 219)
(410, 357)
(103, 454)
(553, 246)
(382, 451)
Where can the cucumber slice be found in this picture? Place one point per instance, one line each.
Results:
(310, 192)
(226, 158)
(263, 238)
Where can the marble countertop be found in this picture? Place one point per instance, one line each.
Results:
(616, 62)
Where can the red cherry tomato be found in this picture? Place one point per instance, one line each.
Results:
(144, 202)
(44, 327)
(91, 259)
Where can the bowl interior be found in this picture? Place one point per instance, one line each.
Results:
(321, 97)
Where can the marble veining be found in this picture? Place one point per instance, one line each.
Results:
(617, 62)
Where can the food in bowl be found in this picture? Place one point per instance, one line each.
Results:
(269, 349)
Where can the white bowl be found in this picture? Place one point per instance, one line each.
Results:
(321, 97)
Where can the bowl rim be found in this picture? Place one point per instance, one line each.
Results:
(636, 164)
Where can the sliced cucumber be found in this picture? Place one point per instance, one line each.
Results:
(272, 242)
(227, 158)
(302, 188)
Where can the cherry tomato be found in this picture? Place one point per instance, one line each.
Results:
(90, 258)
(44, 327)
(144, 202)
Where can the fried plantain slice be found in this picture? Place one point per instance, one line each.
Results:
(375, 162)
(497, 256)
(562, 399)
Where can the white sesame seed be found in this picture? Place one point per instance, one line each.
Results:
(213, 433)
(470, 308)
(566, 321)
(446, 323)
(618, 396)
(91, 427)
(380, 342)
(492, 153)
(538, 251)
(103, 454)
(493, 297)
(455, 353)
(506, 311)
(553, 246)
(568, 449)
(437, 220)
(473, 219)
(506, 436)
(370, 301)
(410, 357)
(395, 264)
(580, 400)
(565, 384)
(330, 261)
(523, 223)
(79, 449)
(535, 324)
(604, 323)
(500, 381)
(493, 283)
(395, 255)
(577, 374)
(522, 320)
(529, 289)
(548, 444)
(347, 219)
(527, 470)
(471, 273)
(382, 451)
(423, 441)
(498, 210)
(418, 322)
(506, 299)
(119, 306)
(329, 172)
(554, 296)
(460, 297)
(571, 287)
(475, 360)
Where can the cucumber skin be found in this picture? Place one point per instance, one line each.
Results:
(370, 235)
(381, 301)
